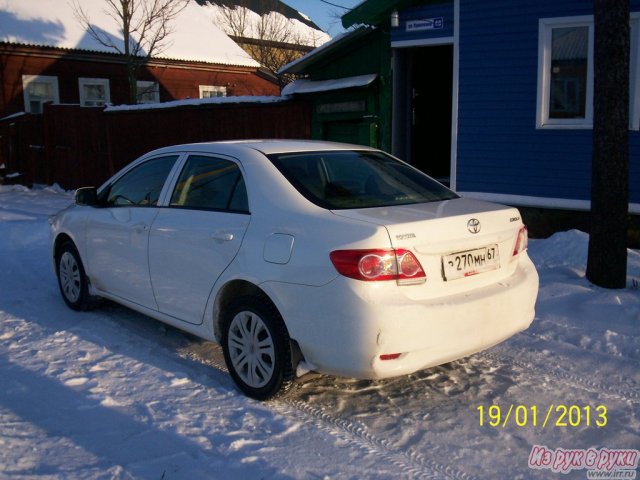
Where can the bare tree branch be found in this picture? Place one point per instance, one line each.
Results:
(144, 25)
(271, 38)
(233, 20)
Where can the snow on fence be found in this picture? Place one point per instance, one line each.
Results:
(76, 146)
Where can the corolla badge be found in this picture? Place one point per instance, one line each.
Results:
(473, 225)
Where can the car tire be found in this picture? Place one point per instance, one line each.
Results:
(72, 279)
(256, 347)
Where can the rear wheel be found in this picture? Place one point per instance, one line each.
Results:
(72, 279)
(256, 347)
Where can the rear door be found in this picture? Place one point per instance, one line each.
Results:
(195, 238)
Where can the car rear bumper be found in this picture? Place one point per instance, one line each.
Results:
(343, 327)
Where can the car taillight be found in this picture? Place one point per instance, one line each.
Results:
(379, 264)
(390, 356)
(522, 241)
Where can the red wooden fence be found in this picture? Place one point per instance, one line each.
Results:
(75, 146)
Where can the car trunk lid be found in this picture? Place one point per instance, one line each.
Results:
(461, 243)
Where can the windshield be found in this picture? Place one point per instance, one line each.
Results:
(339, 180)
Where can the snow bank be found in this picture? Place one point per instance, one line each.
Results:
(569, 250)
(573, 311)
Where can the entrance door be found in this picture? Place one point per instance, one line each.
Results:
(431, 103)
(422, 108)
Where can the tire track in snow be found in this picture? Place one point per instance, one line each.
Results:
(415, 465)
(409, 461)
(523, 358)
(412, 463)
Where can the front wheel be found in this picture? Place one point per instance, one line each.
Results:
(256, 347)
(71, 278)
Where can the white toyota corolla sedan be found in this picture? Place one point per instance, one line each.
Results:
(300, 255)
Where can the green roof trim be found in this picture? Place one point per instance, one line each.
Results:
(326, 50)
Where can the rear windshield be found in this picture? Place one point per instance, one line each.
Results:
(339, 180)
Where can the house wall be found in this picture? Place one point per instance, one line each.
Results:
(371, 54)
(499, 148)
(177, 80)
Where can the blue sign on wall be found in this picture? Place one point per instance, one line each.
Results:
(424, 22)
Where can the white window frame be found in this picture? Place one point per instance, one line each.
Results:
(147, 84)
(544, 74)
(545, 30)
(104, 82)
(212, 88)
(28, 79)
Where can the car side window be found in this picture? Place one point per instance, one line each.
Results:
(209, 183)
(141, 186)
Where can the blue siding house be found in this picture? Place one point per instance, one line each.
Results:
(494, 97)
(525, 102)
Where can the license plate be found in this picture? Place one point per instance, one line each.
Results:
(470, 262)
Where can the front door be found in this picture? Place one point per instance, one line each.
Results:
(117, 234)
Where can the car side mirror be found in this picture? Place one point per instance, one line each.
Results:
(87, 196)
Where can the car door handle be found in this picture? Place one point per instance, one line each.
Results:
(222, 237)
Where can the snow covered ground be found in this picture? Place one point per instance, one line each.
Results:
(111, 394)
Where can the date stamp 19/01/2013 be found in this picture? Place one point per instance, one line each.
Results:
(560, 416)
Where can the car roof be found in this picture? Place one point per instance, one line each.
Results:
(266, 147)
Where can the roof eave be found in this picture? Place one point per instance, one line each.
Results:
(116, 56)
(371, 12)
(299, 65)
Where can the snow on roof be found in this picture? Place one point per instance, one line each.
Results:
(273, 26)
(313, 86)
(13, 115)
(54, 23)
(196, 101)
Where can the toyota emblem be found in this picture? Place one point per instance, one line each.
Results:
(473, 225)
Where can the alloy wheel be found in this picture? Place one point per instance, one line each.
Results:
(251, 349)
(70, 277)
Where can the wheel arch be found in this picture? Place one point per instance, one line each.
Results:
(231, 290)
(60, 240)
(238, 288)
